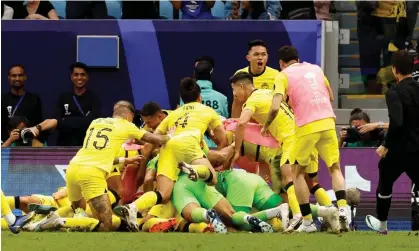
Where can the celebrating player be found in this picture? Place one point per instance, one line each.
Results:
(309, 95)
(86, 174)
(263, 76)
(256, 106)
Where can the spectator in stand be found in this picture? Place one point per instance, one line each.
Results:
(36, 9)
(255, 10)
(322, 9)
(6, 12)
(298, 10)
(140, 10)
(382, 27)
(18, 102)
(76, 109)
(20, 135)
(361, 132)
(86, 10)
(194, 9)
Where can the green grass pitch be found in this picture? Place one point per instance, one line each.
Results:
(358, 241)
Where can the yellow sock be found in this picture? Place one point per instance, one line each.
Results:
(4, 224)
(5, 208)
(322, 197)
(80, 224)
(342, 203)
(308, 217)
(146, 201)
(116, 222)
(140, 221)
(203, 171)
(149, 223)
(65, 212)
(276, 224)
(292, 200)
(198, 227)
(11, 202)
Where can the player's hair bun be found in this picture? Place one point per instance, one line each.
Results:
(355, 111)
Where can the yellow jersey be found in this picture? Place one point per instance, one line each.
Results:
(281, 85)
(191, 118)
(264, 80)
(103, 141)
(260, 102)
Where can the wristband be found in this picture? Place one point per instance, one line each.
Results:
(39, 127)
(380, 124)
(121, 160)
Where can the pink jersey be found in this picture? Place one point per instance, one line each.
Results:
(308, 93)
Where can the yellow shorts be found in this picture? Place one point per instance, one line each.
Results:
(313, 166)
(86, 182)
(325, 142)
(163, 211)
(180, 148)
(46, 200)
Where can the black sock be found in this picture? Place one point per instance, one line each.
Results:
(159, 197)
(305, 209)
(383, 206)
(315, 188)
(17, 202)
(340, 195)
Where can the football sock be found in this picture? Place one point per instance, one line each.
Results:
(79, 224)
(198, 227)
(64, 212)
(199, 215)
(146, 201)
(321, 195)
(292, 199)
(341, 198)
(306, 212)
(203, 171)
(6, 212)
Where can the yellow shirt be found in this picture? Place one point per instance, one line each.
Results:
(281, 85)
(265, 80)
(103, 141)
(260, 103)
(191, 118)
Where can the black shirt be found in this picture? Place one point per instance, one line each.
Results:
(30, 107)
(403, 110)
(44, 8)
(72, 121)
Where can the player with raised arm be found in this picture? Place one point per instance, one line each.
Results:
(87, 171)
(308, 91)
(189, 122)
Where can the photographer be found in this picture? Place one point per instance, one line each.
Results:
(361, 132)
(20, 135)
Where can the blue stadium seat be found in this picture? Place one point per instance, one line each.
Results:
(219, 10)
(59, 8)
(114, 8)
(166, 9)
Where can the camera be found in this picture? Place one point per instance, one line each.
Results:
(26, 135)
(353, 135)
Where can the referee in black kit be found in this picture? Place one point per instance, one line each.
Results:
(400, 151)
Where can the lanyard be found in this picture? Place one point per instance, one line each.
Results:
(78, 105)
(17, 105)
